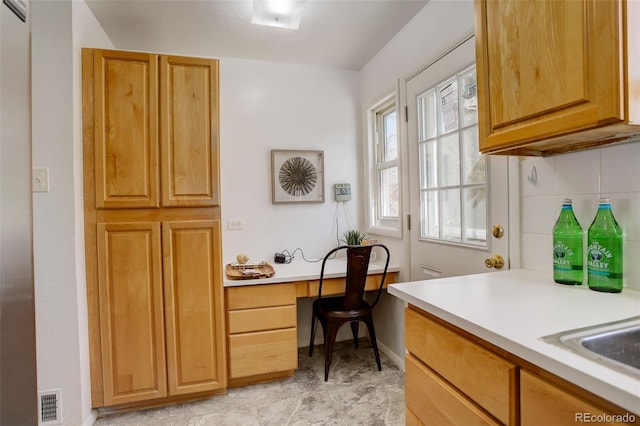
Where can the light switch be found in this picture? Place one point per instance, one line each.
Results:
(40, 180)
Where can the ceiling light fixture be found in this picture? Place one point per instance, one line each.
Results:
(277, 13)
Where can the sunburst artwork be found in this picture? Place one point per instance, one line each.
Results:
(297, 176)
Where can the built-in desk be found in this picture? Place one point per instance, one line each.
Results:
(261, 316)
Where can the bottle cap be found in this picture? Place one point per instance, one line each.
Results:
(567, 201)
(605, 200)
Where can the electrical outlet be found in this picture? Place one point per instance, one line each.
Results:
(235, 224)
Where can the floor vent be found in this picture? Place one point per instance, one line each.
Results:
(49, 407)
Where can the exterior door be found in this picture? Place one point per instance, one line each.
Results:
(457, 195)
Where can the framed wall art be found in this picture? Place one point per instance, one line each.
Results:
(297, 176)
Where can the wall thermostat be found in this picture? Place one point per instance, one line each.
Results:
(342, 191)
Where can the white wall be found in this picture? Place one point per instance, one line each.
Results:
(270, 105)
(439, 26)
(585, 177)
(59, 28)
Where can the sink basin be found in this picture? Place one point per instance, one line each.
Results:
(615, 344)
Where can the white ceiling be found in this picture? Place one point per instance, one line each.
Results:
(333, 33)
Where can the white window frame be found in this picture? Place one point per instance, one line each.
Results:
(376, 224)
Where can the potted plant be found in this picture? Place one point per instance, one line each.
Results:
(353, 237)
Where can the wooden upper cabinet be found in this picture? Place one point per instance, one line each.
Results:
(194, 306)
(131, 312)
(556, 75)
(126, 129)
(189, 131)
(156, 130)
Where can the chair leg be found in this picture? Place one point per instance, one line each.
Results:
(374, 343)
(354, 331)
(329, 343)
(314, 326)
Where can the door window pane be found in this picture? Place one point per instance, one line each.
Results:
(448, 93)
(473, 163)
(427, 116)
(469, 98)
(475, 215)
(430, 218)
(449, 160)
(450, 214)
(429, 171)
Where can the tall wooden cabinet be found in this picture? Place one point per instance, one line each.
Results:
(152, 227)
(556, 75)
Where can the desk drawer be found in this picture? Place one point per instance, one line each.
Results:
(434, 402)
(477, 372)
(336, 285)
(260, 296)
(260, 319)
(262, 352)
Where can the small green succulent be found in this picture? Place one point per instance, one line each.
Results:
(353, 237)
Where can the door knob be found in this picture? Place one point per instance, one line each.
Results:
(497, 231)
(496, 261)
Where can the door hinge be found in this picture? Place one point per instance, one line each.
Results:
(406, 114)
(409, 222)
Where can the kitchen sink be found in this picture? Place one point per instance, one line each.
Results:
(615, 344)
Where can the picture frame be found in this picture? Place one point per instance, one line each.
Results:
(297, 176)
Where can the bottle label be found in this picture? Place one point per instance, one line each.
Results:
(599, 259)
(562, 256)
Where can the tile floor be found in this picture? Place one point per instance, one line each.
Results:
(356, 394)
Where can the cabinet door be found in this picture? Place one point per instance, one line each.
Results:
(131, 312)
(193, 304)
(543, 403)
(189, 131)
(126, 129)
(546, 68)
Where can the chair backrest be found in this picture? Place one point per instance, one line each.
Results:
(356, 278)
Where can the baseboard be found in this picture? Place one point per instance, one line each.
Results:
(398, 361)
(91, 418)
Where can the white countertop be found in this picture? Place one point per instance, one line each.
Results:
(513, 309)
(301, 270)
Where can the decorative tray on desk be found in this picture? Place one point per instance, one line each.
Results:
(249, 270)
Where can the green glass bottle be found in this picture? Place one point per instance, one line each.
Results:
(567, 247)
(604, 251)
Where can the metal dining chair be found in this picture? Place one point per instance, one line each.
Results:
(335, 311)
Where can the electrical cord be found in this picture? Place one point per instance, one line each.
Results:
(288, 257)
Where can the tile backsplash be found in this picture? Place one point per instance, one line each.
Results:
(584, 176)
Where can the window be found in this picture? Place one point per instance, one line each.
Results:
(453, 183)
(384, 170)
